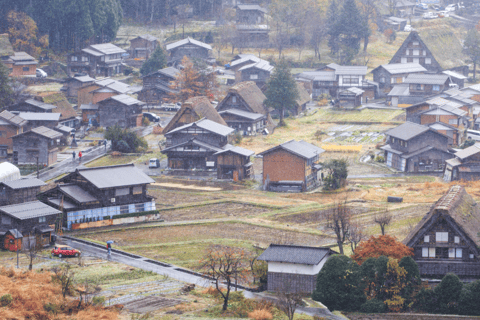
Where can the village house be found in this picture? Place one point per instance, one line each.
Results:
(234, 163)
(250, 14)
(457, 78)
(194, 145)
(241, 60)
(38, 145)
(427, 84)
(10, 125)
(258, 72)
(350, 98)
(192, 110)
(446, 239)
(143, 46)
(243, 109)
(395, 23)
(21, 64)
(102, 89)
(438, 110)
(292, 166)
(32, 105)
(303, 99)
(37, 119)
(252, 36)
(19, 191)
(388, 75)
(454, 134)
(415, 148)
(66, 132)
(68, 115)
(97, 194)
(121, 110)
(157, 86)
(23, 224)
(404, 8)
(414, 50)
(294, 268)
(190, 48)
(73, 84)
(96, 60)
(464, 166)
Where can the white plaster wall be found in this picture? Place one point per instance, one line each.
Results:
(295, 268)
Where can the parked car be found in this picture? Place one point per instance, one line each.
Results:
(154, 163)
(430, 15)
(450, 8)
(443, 14)
(40, 73)
(151, 116)
(438, 7)
(422, 6)
(408, 28)
(65, 251)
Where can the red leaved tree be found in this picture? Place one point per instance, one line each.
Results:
(383, 245)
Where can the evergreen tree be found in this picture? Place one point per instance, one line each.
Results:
(472, 48)
(448, 294)
(337, 173)
(6, 92)
(413, 280)
(351, 30)
(157, 61)
(333, 31)
(469, 299)
(282, 92)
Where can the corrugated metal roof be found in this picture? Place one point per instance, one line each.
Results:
(396, 68)
(319, 75)
(207, 125)
(237, 150)
(107, 48)
(170, 71)
(12, 119)
(294, 254)
(426, 79)
(454, 74)
(84, 79)
(467, 152)
(194, 141)
(40, 104)
(44, 132)
(245, 58)
(407, 131)
(475, 87)
(77, 193)
(400, 91)
(347, 70)
(301, 148)
(262, 65)
(24, 183)
(39, 116)
(29, 210)
(63, 129)
(115, 176)
(126, 100)
(251, 7)
(442, 126)
(356, 91)
(22, 56)
(242, 113)
(187, 41)
(89, 107)
(66, 204)
(92, 52)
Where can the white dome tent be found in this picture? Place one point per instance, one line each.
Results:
(9, 172)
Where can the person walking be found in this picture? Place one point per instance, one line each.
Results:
(109, 248)
(80, 156)
(73, 155)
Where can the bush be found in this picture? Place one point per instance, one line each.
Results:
(106, 218)
(380, 159)
(124, 140)
(448, 293)
(469, 299)
(145, 122)
(373, 306)
(51, 307)
(5, 300)
(260, 315)
(98, 300)
(237, 138)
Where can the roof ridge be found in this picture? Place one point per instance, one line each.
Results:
(296, 246)
(104, 167)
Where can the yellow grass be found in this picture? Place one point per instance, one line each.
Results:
(338, 148)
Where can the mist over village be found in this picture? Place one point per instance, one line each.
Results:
(239, 159)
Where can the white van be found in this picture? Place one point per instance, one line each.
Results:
(154, 163)
(473, 134)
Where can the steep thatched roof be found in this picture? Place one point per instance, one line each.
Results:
(456, 206)
(62, 105)
(251, 94)
(303, 96)
(200, 107)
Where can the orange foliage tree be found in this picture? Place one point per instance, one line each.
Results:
(383, 245)
(23, 34)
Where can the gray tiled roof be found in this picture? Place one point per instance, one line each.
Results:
(24, 183)
(186, 41)
(77, 193)
(40, 116)
(454, 74)
(207, 125)
(399, 90)
(237, 150)
(354, 70)
(244, 58)
(28, 210)
(262, 65)
(242, 113)
(170, 71)
(115, 176)
(301, 148)
(251, 7)
(44, 132)
(40, 104)
(294, 254)
(426, 79)
(407, 131)
(467, 152)
(12, 119)
(396, 68)
(199, 143)
(107, 48)
(124, 99)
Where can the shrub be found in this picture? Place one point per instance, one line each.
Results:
(98, 300)
(106, 218)
(145, 122)
(469, 299)
(373, 306)
(51, 307)
(237, 138)
(260, 315)
(5, 300)
(448, 293)
(380, 159)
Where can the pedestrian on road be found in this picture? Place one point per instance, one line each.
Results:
(109, 248)
(73, 155)
(80, 156)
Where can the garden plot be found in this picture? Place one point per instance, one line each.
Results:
(357, 134)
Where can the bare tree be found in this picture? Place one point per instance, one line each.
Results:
(383, 219)
(65, 277)
(356, 235)
(224, 264)
(338, 219)
(288, 301)
(34, 246)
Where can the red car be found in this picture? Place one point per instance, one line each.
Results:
(65, 251)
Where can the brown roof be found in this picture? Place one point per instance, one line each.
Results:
(458, 205)
(251, 94)
(13, 119)
(303, 96)
(62, 105)
(201, 106)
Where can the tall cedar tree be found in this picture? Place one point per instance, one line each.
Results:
(383, 245)
(369, 15)
(157, 61)
(6, 92)
(282, 92)
(337, 173)
(333, 27)
(191, 82)
(472, 48)
(351, 29)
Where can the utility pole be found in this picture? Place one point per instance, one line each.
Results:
(38, 173)
(16, 247)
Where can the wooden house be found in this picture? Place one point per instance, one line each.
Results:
(427, 84)
(194, 145)
(404, 8)
(68, 115)
(192, 110)
(23, 224)
(446, 239)
(101, 90)
(243, 109)
(10, 125)
(250, 14)
(464, 166)
(74, 83)
(457, 78)
(414, 50)
(157, 86)
(350, 98)
(38, 145)
(438, 110)
(37, 119)
(292, 166)
(21, 64)
(241, 60)
(294, 268)
(454, 134)
(190, 48)
(234, 163)
(395, 23)
(143, 46)
(415, 148)
(19, 191)
(389, 75)
(93, 194)
(258, 72)
(90, 113)
(103, 59)
(66, 132)
(303, 99)
(122, 110)
(32, 105)
(252, 36)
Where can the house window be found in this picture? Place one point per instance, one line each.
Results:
(441, 237)
(382, 80)
(471, 255)
(424, 252)
(453, 121)
(122, 191)
(407, 52)
(451, 252)
(42, 219)
(416, 52)
(253, 76)
(424, 52)
(26, 68)
(350, 80)
(84, 58)
(426, 239)
(234, 99)
(138, 190)
(419, 86)
(458, 253)
(6, 220)
(74, 58)
(457, 239)
(436, 87)
(416, 60)
(431, 252)
(415, 43)
(428, 60)
(403, 60)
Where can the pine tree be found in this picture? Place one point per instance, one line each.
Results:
(333, 27)
(472, 48)
(6, 92)
(351, 29)
(157, 61)
(282, 91)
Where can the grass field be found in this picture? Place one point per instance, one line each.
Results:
(108, 160)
